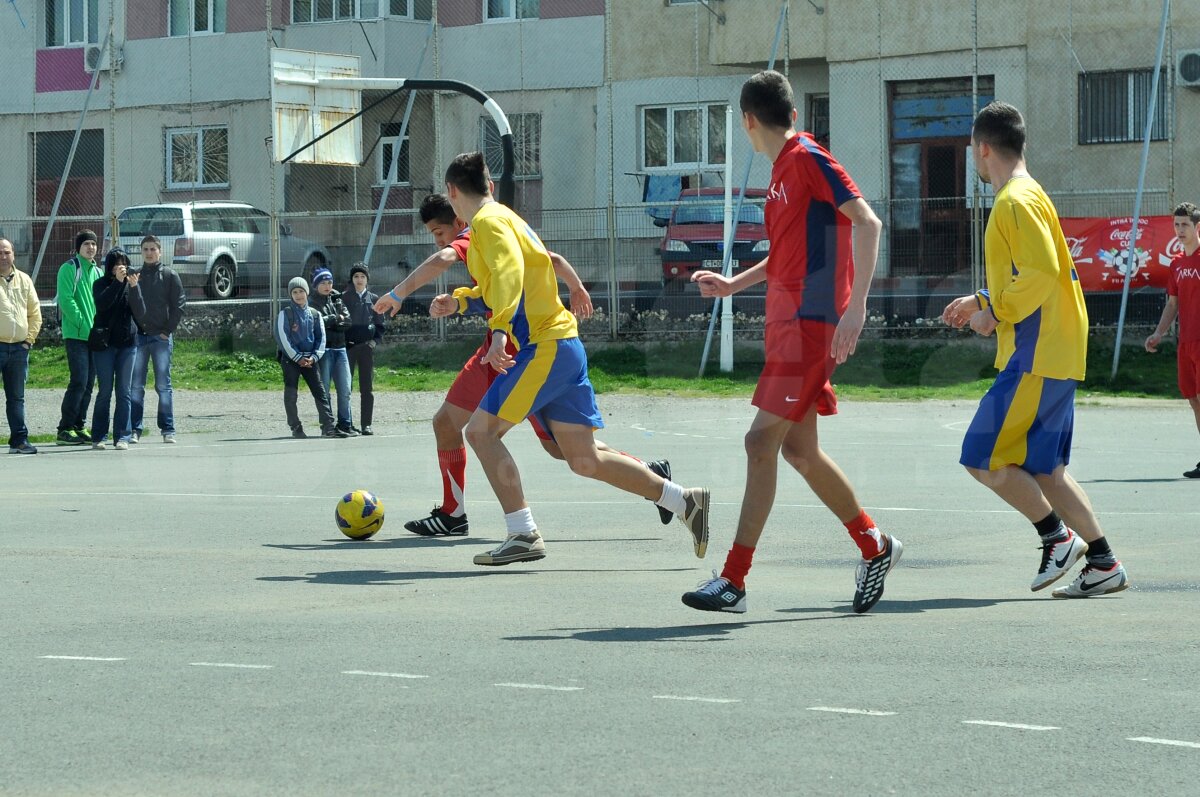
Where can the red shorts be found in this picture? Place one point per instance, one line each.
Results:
(474, 380)
(1188, 358)
(796, 374)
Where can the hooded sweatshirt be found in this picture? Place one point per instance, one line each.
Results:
(76, 303)
(300, 332)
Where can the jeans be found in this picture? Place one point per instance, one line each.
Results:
(292, 375)
(114, 369)
(152, 347)
(362, 357)
(79, 389)
(336, 364)
(14, 367)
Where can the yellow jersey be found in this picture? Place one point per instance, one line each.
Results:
(515, 279)
(1032, 288)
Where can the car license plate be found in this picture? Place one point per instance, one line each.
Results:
(712, 265)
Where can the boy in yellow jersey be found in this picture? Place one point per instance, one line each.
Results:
(546, 378)
(1019, 442)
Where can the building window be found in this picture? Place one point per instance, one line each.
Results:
(691, 136)
(335, 10)
(197, 16)
(198, 157)
(511, 9)
(389, 137)
(818, 118)
(527, 144)
(1113, 106)
(71, 22)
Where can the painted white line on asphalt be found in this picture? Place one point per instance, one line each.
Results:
(1019, 726)
(228, 664)
(82, 658)
(697, 699)
(866, 711)
(543, 686)
(382, 674)
(1171, 742)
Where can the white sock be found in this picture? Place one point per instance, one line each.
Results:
(672, 498)
(520, 522)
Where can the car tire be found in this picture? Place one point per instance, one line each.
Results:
(222, 279)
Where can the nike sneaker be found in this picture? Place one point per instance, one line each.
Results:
(517, 548)
(870, 574)
(1057, 559)
(1093, 581)
(717, 594)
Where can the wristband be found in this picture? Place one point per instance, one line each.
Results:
(392, 293)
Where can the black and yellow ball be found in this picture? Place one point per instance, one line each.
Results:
(359, 515)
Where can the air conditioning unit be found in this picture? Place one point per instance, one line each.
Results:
(1187, 69)
(113, 60)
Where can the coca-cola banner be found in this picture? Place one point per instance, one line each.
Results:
(1100, 248)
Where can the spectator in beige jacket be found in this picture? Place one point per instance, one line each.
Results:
(20, 322)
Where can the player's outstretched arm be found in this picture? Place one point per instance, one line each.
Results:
(867, 230)
(581, 300)
(1164, 323)
(712, 284)
(435, 265)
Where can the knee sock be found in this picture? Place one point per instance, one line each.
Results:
(737, 565)
(453, 465)
(865, 535)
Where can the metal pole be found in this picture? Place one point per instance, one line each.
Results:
(62, 183)
(730, 226)
(388, 180)
(614, 305)
(1137, 202)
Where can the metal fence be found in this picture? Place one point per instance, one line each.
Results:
(618, 113)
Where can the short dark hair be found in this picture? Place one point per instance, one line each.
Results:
(150, 239)
(768, 97)
(1188, 209)
(469, 172)
(1001, 126)
(436, 207)
(83, 237)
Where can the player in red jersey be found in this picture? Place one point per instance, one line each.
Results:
(1183, 300)
(816, 307)
(453, 237)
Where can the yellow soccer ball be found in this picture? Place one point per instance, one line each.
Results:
(359, 515)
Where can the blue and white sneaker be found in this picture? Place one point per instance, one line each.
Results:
(717, 594)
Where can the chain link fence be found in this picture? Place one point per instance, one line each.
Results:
(618, 113)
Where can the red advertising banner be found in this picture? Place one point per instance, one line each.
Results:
(1100, 249)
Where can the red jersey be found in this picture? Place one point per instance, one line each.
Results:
(460, 244)
(811, 266)
(1184, 282)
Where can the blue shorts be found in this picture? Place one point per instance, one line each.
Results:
(1023, 420)
(549, 382)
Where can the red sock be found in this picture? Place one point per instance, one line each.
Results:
(453, 465)
(865, 535)
(737, 565)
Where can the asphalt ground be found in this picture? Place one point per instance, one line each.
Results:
(186, 620)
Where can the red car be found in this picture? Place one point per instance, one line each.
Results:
(694, 234)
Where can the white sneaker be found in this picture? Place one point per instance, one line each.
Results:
(1057, 559)
(121, 445)
(169, 438)
(517, 548)
(1093, 581)
(99, 445)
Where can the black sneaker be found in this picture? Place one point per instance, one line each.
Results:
(366, 431)
(334, 432)
(22, 448)
(83, 437)
(298, 433)
(348, 431)
(439, 524)
(870, 574)
(663, 468)
(67, 438)
(1194, 473)
(717, 594)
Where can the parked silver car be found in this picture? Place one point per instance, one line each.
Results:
(220, 245)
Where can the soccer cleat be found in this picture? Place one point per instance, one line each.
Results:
(717, 594)
(439, 524)
(121, 445)
(169, 437)
(662, 468)
(1093, 581)
(695, 517)
(1194, 473)
(871, 573)
(22, 448)
(1058, 558)
(517, 548)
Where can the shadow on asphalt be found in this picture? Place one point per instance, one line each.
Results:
(668, 633)
(418, 541)
(916, 607)
(1132, 481)
(388, 577)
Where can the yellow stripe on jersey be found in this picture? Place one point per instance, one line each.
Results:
(1013, 440)
(1032, 287)
(520, 399)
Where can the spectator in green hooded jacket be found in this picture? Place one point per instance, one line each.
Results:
(77, 308)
